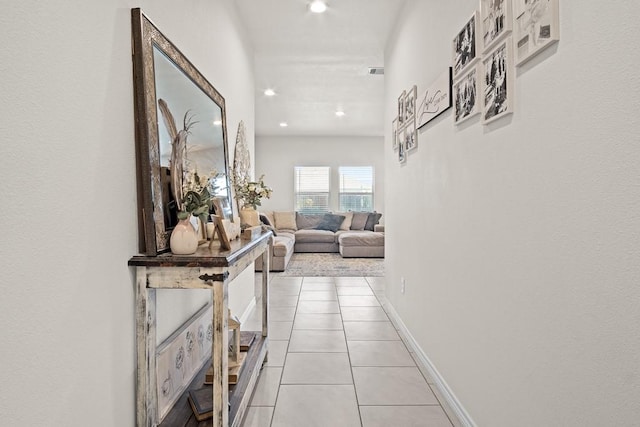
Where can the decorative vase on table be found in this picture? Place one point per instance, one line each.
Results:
(249, 216)
(184, 238)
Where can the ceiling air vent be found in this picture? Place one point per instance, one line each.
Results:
(376, 70)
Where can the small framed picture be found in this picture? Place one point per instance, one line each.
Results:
(410, 103)
(411, 135)
(402, 154)
(394, 133)
(222, 207)
(466, 103)
(465, 46)
(496, 19)
(537, 26)
(401, 108)
(497, 75)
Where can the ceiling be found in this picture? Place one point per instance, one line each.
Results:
(318, 64)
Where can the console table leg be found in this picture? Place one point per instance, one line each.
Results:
(219, 355)
(146, 381)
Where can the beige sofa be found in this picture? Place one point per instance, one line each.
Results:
(352, 234)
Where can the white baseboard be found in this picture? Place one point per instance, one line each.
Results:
(439, 382)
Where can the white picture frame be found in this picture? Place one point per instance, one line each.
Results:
(411, 135)
(496, 17)
(466, 46)
(498, 75)
(402, 153)
(467, 96)
(536, 27)
(410, 104)
(436, 99)
(401, 108)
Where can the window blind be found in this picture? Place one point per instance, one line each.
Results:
(312, 189)
(356, 188)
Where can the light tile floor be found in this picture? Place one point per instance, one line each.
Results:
(336, 360)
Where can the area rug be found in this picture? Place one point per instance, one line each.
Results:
(332, 264)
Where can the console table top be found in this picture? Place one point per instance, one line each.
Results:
(204, 256)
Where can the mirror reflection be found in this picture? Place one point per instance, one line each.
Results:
(189, 111)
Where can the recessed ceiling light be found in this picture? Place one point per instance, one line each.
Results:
(317, 6)
(283, 124)
(269, 92)
(339, 113)
(217, 122)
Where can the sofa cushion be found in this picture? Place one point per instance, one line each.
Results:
(283, 244)
(307, 221)
(372, 220)
(285, 220)
(359, 220)
(314, 236)
(361, 239)
(348, 217)
(330, 222)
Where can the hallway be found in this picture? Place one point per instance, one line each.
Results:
(335, 359)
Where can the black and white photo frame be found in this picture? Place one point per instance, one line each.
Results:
(497, 82)
(496, 21)
(401, 108)
(466, 46)
(402, 153)
(466, 95)
(537, 26)
(410, 104)
(411, 135)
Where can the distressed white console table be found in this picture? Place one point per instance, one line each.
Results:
(208, 268)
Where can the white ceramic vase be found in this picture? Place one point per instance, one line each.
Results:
(184, 238)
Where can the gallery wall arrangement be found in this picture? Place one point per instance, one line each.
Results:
(499, 36)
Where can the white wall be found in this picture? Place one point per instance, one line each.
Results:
(67, 166)
(277, 156)
(522, 267)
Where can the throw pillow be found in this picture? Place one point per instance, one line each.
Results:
(307, 221)
(346, 224)
(330, 222)
(359, 220)
(265, 220)
(285, 220)
(269, 215)
(372, 220)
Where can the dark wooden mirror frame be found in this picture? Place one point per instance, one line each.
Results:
(154, 233)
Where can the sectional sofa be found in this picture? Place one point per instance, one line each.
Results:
(352, 234)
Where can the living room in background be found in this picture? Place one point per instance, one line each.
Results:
(356, 188)
(312, 187)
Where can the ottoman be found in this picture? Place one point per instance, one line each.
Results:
(361, 245)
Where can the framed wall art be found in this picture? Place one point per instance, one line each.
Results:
(402, 154)
(465, 46)
(498, 74)
(410, 104)
(436, 99)
(410, 135)
(496, 21)
(465, 95)
(401, 108)
(537, 26)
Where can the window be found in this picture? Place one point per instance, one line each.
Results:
(356, 188)
(312, 189)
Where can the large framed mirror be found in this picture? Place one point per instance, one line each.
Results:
(172, 99)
